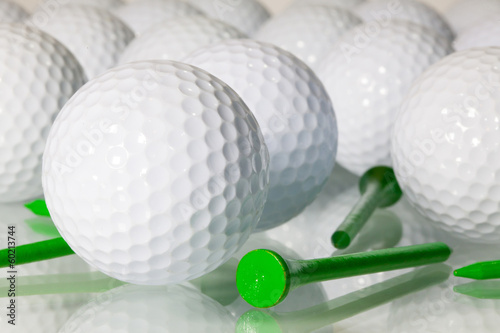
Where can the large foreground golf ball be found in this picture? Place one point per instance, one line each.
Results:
(177, 38)
(308, 31)
(484, 34)
(407, 10)
(37, 76)
(141, 15)
(246, 15)
(294, 112)
(446, 144)
(11, 12)
(155, 172)
(367, 76)
(95, 37)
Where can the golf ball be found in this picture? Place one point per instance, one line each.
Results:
(167, 309)
(92, 34)
(155, 172)
(141, 15)
(11, 12)
(446, 143)
(247, 15)
(407, 10)
(37, 76)
(308, 31)
(485, 34)
(367, 76)
(177, 38)
(294, 112)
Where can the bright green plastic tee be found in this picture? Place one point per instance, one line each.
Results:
(484, 270)
(38, 207)
(264, 278)
(379, 188)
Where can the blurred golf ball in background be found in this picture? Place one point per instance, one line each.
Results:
(294, 112)
(367, 74)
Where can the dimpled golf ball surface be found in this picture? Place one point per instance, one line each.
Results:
(446, 144)
(367, 82)
(177, 38)
(11, 12)
(308, 31)
(95, 37)
(167, 309)
(141, 15)
(294, 112)
(247, 15)
(155, 172)
(37, 76)
(407, 10)
(485, 34)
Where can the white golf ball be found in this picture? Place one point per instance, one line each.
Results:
(246, 15)
(308, 31)
(167, 309)
(141, 15)
(37, 76)
(465, 14)
(446, 144)
(177, 38)
(155, 172)
(367, 74)
(407, 10)
(294, 112)
(95, 37)
(11, 12)
(485, 34)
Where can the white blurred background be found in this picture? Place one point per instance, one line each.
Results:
(276, 5)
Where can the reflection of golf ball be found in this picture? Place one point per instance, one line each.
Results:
(168, 309)
(247, 15)
(439, 309)
(143, 14)
(11, 12)
(484, 34)
(446, 144)
(155, 172)
(37, 76)
(308, 31)
(175, 39)
(464, 14)
(295, 114)
(407, 10)
(95, 37)
(367, 76)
